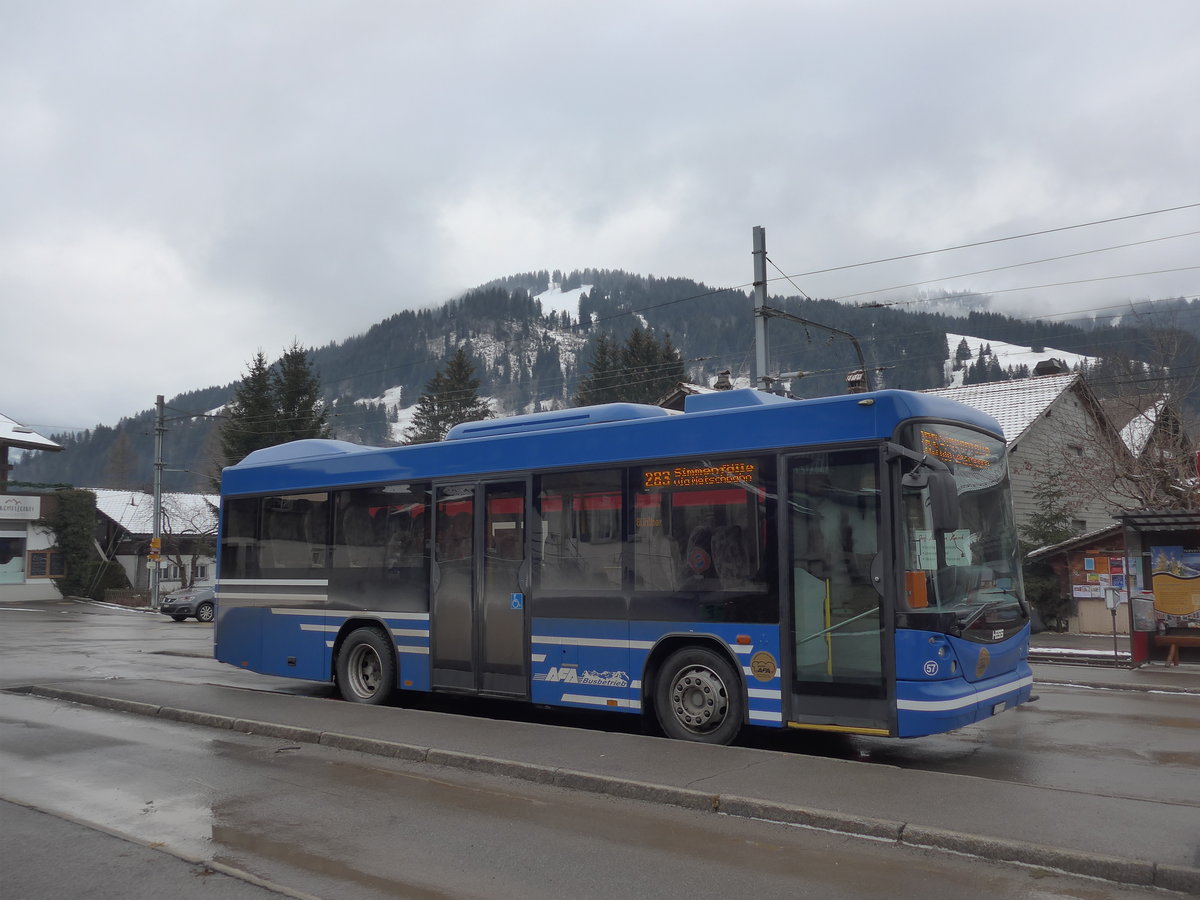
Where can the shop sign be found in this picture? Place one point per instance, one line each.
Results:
(26, 508)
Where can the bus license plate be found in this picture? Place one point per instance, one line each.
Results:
(998, 708)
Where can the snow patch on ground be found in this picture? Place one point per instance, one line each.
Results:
(557, 300)
(1006, 355)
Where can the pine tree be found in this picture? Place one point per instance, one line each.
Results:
(121, 468)
(651, 368)
(300, 411)
(451, 397)
(962, 353)
(1050, 524)
(643, 370)
(602, 383)
(274, 405)
(250, 416)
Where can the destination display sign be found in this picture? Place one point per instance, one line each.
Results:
(699, 475)
(971, 454)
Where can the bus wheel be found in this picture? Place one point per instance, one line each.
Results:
(366, 667)
(697, 697)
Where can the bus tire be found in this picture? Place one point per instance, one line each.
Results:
(366, 667)
(698, 697)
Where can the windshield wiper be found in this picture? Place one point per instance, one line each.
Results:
(981, 610)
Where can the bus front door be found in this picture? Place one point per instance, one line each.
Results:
(839, 640)
(478, 628)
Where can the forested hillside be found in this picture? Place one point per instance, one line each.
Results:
(529, 356)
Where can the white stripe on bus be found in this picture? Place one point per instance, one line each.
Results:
(284, 610)
(960, 702)
(343, 613)
(614, 643)
(274, 582)
(601, 701)
(762, 694)
(759, 716)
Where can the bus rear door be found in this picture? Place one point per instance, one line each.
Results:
(479, 624)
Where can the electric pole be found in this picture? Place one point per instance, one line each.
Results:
(762, 379)
(155, 553)
(762, 312)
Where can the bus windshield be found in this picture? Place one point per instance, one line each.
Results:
(973, 569)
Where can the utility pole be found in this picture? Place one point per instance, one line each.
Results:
(155, 553)
(762, 312)
(762, 379)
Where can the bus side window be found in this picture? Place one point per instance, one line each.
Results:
(577, 532)
(657, 557)
(357, 541)
(293, 532)
(239, 538)
(704, 536)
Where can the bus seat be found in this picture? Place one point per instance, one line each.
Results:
(729, 556)
(285, 540)
(697, 557)
(658, 563)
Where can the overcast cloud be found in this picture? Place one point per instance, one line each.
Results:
(185, 183)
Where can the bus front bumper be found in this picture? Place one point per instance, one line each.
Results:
(933, 707)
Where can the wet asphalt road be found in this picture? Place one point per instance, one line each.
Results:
(328, 822)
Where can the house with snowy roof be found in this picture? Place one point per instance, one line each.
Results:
(125, 524)
(28, 559)
(1153, 431)
(1057, 431)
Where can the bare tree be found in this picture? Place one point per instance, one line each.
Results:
(189, 533)
(1150, 450)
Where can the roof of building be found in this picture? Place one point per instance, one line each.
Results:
(14, 434)
(1014, 404)
(1079, 540)
(1137, 421)
(181, 513)
(1162, 520)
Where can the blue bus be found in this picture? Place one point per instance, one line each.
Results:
(844, 564)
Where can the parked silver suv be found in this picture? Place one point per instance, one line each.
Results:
(196, 601)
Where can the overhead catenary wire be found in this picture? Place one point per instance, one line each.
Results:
(578, 326)
(1032, 262)
(597, 320)
(1000, 240)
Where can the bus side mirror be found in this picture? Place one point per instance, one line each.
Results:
(943, 494)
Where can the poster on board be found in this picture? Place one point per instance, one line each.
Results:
(1175, 578)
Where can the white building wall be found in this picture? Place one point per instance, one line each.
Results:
(1064, 439)
(18, 515)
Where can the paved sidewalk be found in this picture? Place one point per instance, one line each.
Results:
(1140, 843)
(1089, 659)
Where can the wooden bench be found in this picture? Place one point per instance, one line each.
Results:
(1174, 642)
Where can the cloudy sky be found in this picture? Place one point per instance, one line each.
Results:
(185, 183)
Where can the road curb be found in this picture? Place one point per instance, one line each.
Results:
(1108, 868)
(822, 819)
(374, 746)
(1185, 879)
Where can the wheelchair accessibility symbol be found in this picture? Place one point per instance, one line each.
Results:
(516, 601)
